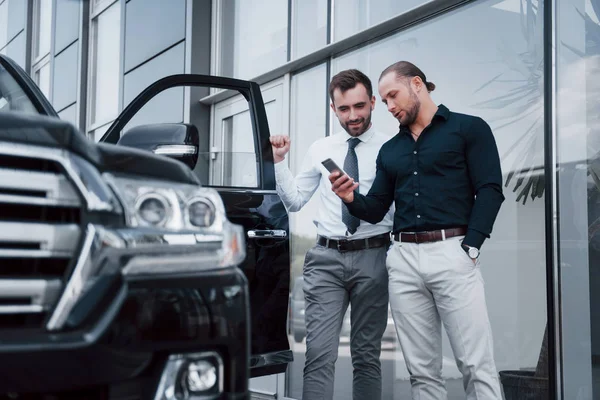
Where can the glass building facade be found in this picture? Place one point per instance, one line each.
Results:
(530, 68)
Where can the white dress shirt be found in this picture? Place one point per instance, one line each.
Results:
(296, 192)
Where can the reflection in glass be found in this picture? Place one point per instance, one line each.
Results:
(353, 16)
(486, 59)
(105, 69)
(309, 27)
(578, 155)
(254, 37)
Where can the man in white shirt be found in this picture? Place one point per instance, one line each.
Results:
(347, 265)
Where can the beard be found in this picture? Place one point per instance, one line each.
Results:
(410, 115)
(362, 124)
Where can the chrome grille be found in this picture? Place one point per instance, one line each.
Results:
(40, 216)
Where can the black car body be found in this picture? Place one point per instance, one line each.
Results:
(122, 276)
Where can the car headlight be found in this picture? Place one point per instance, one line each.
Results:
(200, 212)
(173, 207)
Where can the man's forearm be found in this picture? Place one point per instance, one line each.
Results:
(294, 192)
(485, 210)
(366, 208)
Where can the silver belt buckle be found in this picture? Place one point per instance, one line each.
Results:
(340, 246)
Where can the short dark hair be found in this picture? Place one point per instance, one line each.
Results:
(405, 69)
(348, 79)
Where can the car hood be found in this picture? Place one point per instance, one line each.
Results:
(52, 132)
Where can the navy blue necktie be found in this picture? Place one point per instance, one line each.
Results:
(351, 168)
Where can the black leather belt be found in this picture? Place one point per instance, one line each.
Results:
(429, 236)
(344, 245)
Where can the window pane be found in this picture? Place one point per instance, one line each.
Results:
(67, 23)
(309, 97)
(106, 64)
(578, 153)
(70, 114)
(44, 21)
(166, 106)
(309, 26)
(352, 16)
(65, 77)
(486, 59)
(43, 79)
(253, 38)
(3, 24)
(16, 49)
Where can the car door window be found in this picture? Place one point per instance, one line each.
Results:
(233, 149)
(235, 165)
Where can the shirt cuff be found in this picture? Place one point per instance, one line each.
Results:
(474, 238)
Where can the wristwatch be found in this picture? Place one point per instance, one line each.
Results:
(473, 252)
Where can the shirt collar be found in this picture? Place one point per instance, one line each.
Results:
(442, 112)
(368, 134)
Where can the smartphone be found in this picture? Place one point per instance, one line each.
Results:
(331, 166)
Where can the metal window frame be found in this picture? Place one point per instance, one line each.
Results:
(83, 65)
(35, 12)
(35, 73)
(40, 61)
(551, 209)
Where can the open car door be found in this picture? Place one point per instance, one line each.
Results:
(235, 158)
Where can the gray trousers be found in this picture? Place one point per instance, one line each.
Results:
(433, 284)
(331, 281)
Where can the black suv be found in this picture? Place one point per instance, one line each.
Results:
(121, 276)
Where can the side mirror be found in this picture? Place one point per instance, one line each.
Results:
(178, 141)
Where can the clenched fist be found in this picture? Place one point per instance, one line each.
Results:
(281, 146)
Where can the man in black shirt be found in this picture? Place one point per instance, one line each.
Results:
(442, 170)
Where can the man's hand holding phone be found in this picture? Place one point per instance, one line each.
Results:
(341, 184)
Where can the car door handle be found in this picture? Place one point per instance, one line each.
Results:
(267, 234)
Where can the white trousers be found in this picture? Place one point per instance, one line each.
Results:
(431, 284)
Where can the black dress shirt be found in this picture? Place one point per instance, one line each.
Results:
(449, 177)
